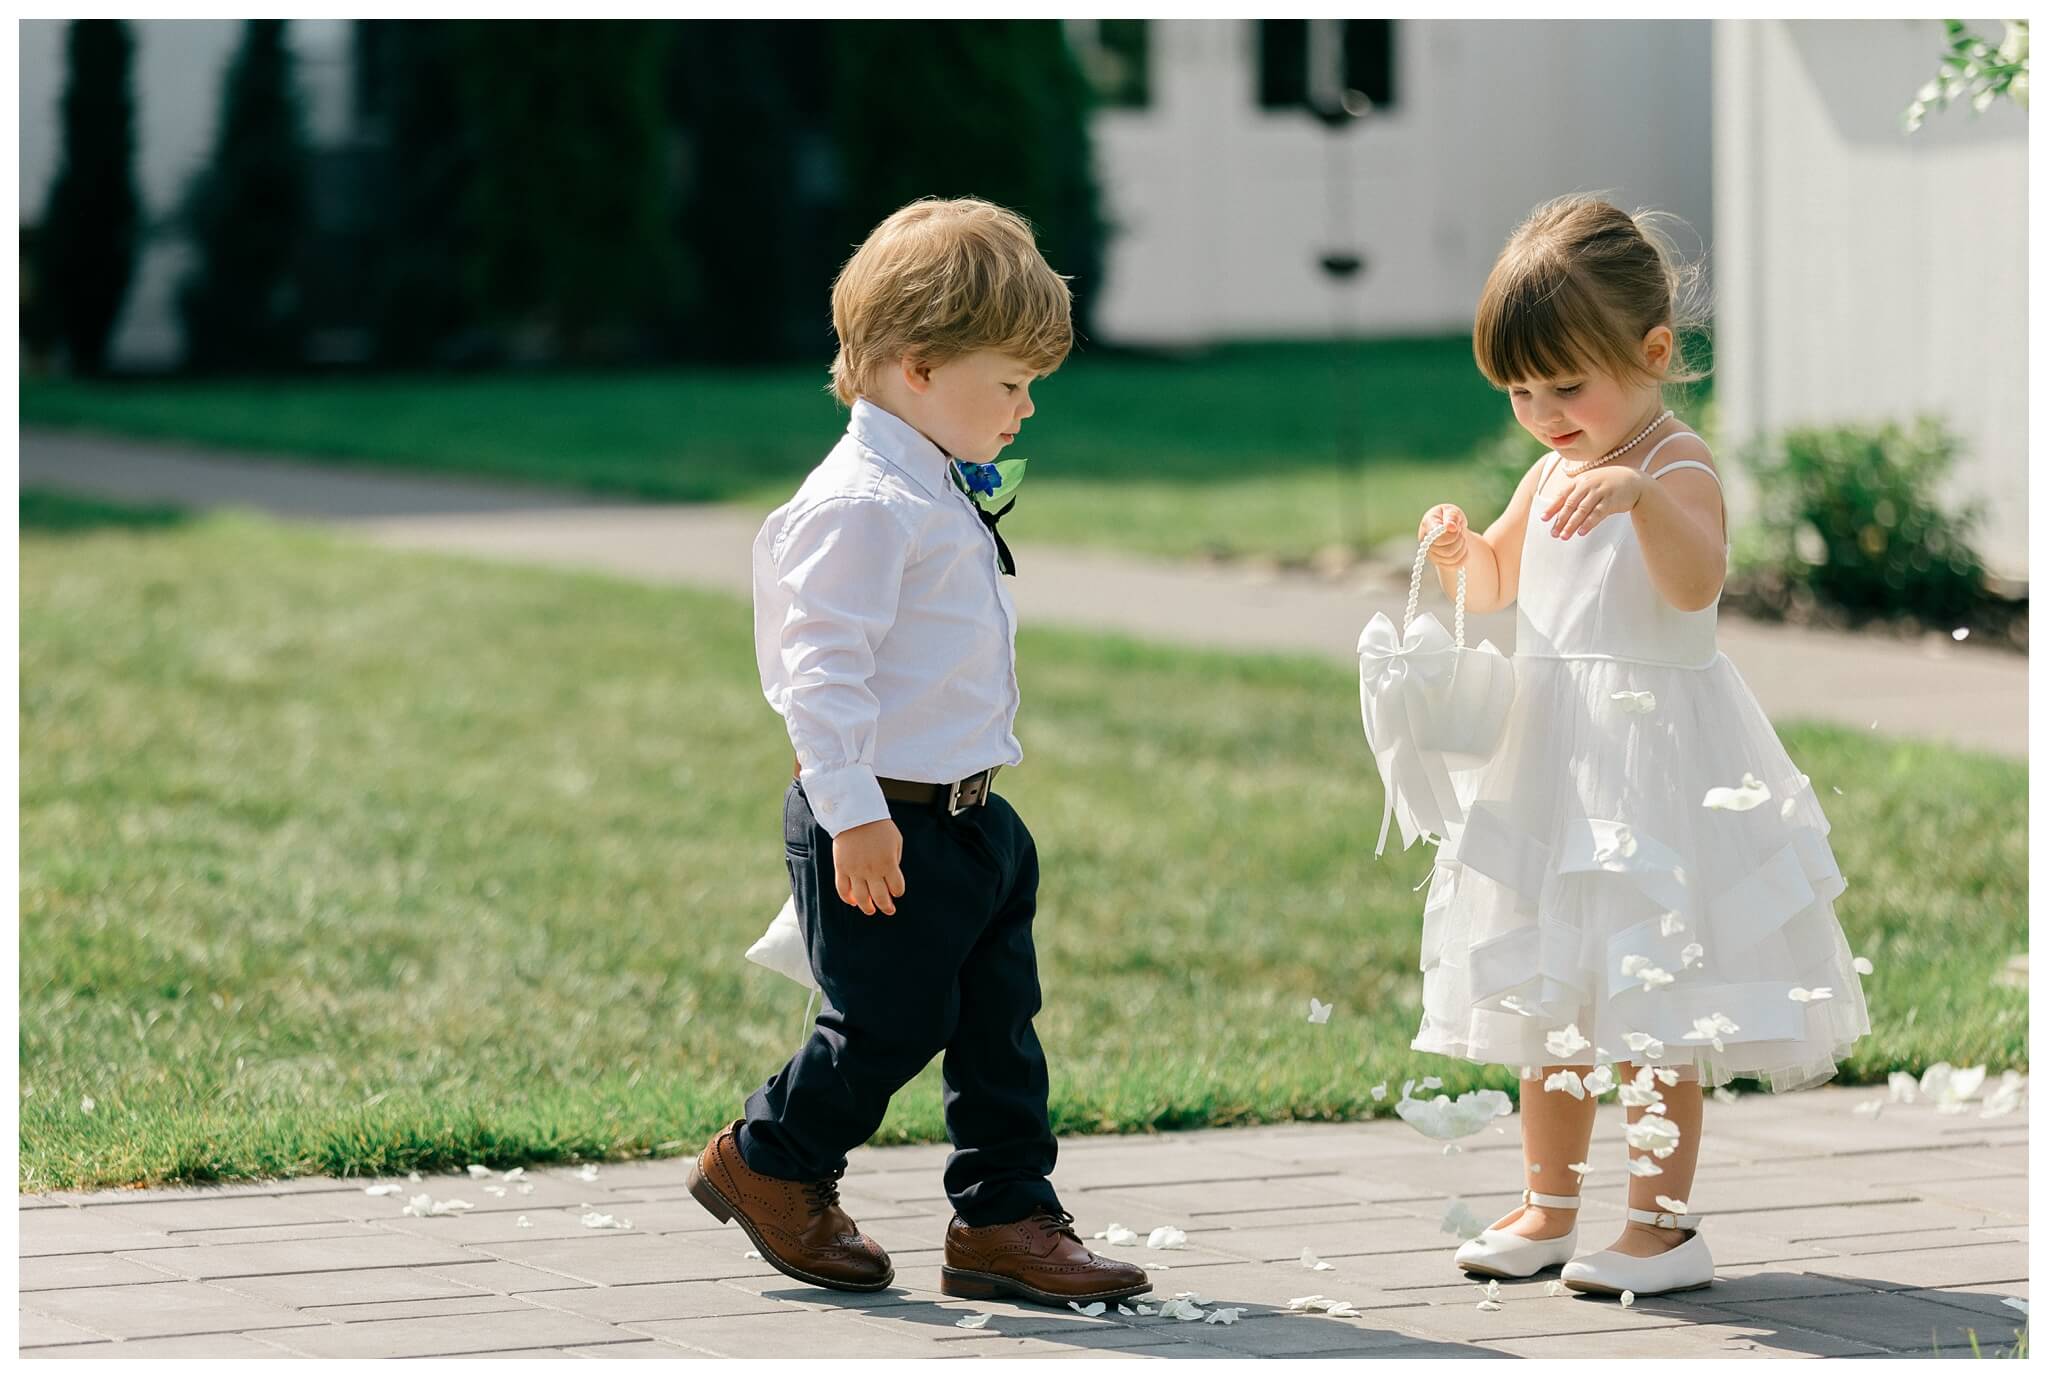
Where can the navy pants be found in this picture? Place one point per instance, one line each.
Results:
(952, 970)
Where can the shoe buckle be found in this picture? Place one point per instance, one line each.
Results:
(1666, 1220)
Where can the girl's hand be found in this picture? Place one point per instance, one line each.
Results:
(1448, 550)
(1591, 498)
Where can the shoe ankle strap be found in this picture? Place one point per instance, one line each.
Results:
(1664, 1219)
(1537, 1198)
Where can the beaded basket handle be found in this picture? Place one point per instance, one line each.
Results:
(1415, 584)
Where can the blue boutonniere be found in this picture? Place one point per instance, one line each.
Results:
(992, 486)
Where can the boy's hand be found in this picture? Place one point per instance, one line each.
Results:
(1448, 550)
(867, 865)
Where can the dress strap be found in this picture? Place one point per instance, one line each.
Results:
(1675, 435)
(1688, 464)
(1544, 477)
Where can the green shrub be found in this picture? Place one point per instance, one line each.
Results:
(1852, 516)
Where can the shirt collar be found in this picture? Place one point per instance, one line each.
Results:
(902, 444)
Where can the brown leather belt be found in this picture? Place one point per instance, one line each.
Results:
(973, 791)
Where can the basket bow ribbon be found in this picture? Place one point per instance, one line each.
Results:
(1398, 674)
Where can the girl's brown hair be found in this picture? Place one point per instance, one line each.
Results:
(1579, 284)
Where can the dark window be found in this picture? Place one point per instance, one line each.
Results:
(1297, 68)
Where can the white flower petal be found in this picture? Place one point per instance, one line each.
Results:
(515, 1174)
(974, 1322)
(1379, 1092)
(479, 1170)
(1308, 1303)
(1667, 1075)
(1460, 1221)
(1567, 1081)
(1643, 1167)
(1863, 966)
(586, 1173)
(1583, 1169)
(1562, 1043)
(1145, 1310)
(1870, 1108)
(1167, 1237)
(1599, 1081)
(1123, 1310)
(1432, 1083)
(1725, 1096)
(1444, 1118)
(1672, 1204)
(1224, 1315)
(1652, 1134)
(599, 1220)
(383, 1189)
(1093, 1308)
(1310, 1261)
(1804, 996)
(1343, 1308)
(1692, 952)
(524, 1223)
(86, 1103)
(1628, 1299)
(1737, 799)
(1554, 1288)
(1670, 925)
(1318, 1012)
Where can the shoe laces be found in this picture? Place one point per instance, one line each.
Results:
(1059, 1222)
(823, 1194)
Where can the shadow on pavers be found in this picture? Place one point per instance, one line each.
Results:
(1017, 1319)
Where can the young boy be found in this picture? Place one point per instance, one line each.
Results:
(886, 640)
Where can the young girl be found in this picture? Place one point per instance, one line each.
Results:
(1643, 879)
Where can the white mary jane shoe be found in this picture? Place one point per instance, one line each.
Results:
(1681, 1268)
(1505, 1254)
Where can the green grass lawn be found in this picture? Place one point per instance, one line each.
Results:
(343, 860)
(1234, 452)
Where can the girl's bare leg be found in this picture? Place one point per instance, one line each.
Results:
(1683, 1107)
(1557, 1130)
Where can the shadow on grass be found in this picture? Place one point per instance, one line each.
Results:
(49, 513)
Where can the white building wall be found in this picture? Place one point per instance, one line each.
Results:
(1865, 273)
(1221, 209)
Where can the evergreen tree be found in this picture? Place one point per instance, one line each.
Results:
(84, 251)
(760, 214)
(249, 211)
(573, 202)
(408, 99)
(991, 108)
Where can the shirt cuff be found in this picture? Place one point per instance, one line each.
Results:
(844, 797)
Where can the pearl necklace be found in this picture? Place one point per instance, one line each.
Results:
(1612, 455)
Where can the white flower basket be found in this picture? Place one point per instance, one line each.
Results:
(1425, 697)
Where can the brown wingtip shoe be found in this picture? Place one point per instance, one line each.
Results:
(1040, 1258)
(797, 1226)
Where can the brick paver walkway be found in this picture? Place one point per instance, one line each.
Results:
(1834, 1234)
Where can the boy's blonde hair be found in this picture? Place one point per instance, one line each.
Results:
(1579, 284)
(939, 279)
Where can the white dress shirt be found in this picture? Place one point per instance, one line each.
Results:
(882, 630)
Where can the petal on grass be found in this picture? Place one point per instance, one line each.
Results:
(1863, 966)
(1318, 1012)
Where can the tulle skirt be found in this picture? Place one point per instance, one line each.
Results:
(1589, 886)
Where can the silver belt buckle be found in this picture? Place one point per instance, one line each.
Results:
(965, 794)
